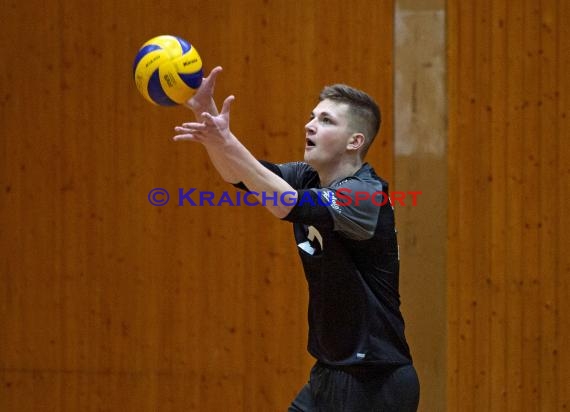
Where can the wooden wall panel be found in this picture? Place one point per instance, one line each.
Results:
(109, 303)
(508, 172)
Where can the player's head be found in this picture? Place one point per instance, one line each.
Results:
(363, 112)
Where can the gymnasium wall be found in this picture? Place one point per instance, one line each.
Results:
(110, 303)
(508, 266)
(420, 143)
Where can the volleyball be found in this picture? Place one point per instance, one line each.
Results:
(167, 70)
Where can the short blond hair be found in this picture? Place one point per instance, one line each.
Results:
(364, 112)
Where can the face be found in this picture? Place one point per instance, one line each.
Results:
(327, 134)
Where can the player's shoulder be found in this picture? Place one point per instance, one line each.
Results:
(298, 174)
(365, 179)
(298, 167)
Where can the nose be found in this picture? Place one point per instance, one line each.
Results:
(310, 127)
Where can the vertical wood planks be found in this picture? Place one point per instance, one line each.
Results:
(508, 130)
(107, 302)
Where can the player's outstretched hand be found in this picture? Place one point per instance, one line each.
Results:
(214, 130)
(203, 99)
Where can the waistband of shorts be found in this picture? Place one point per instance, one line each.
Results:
(371, 369)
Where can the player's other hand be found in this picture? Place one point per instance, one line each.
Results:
(214, 130)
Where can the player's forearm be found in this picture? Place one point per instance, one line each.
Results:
(223, 167)
(248, 170)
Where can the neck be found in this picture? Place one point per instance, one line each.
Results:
(327, 175)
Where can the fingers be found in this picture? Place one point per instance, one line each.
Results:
(214, 73)
(208, 120)
(185, 137)
(205, 92)
(189, 132)
(211, 125)
(191, 126)
(210, 81)
(226, 106)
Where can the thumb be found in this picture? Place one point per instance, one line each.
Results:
(214, 73)
(227, 104)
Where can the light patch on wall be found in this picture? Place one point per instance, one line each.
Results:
(419, 82)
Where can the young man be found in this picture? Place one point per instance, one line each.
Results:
(346, 238)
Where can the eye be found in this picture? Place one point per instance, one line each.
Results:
(326, 120)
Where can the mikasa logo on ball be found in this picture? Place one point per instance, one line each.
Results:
(189, 62)
(152, 61)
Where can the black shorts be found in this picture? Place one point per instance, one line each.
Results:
(359, 389)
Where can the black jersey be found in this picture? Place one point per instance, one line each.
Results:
(346, 239)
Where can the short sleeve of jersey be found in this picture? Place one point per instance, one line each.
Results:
(354, 205)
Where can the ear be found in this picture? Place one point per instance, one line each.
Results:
(355, 142)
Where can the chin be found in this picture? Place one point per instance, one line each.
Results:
(308, 159)
(312, 163)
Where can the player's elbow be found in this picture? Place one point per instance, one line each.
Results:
(280, 211)
(231, 180)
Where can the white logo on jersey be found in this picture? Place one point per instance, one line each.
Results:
(313, 234)
(330, 198)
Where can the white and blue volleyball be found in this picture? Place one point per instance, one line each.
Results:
(167, 70)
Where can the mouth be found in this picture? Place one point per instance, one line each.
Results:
(309, 142)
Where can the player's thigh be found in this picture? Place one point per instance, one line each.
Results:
(392, 390)
(303, 402)
(400, 390)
